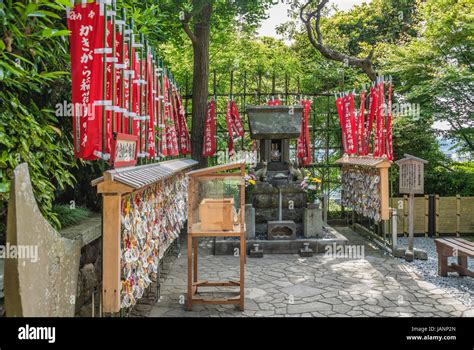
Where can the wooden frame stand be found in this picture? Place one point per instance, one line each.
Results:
(195, 231)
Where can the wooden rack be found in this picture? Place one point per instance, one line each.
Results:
(382, 165)
(195, 232)
(114, 185)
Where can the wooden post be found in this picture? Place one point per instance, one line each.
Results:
(411, 217)
(405, 215)
(189, 301)
(195, 259)
(427, 204)
(384, 194)
(111, 283)
(458, 215)
(394, 230)
(437, 214)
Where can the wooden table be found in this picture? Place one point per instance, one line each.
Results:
(194, 283)
(458, 247)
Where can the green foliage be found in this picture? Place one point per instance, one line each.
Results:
(435, 69)
(68, 216)
(33, 57)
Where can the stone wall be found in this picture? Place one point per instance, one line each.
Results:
(89, 232)
(265, 202)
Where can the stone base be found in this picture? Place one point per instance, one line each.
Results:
(306, 253)
(312, 222)
(415, 254)
(249, 221)
(420, 254)
(287, 246)
(256, 254)
(284, 229)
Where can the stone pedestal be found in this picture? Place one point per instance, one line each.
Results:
(250, 221)
(313, 222)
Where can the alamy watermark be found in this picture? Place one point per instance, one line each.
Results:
(340, 251)
(24, 252)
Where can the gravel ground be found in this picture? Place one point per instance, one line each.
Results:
(461, 288)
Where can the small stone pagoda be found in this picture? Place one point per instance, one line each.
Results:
(279, 201)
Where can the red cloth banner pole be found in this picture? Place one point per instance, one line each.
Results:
(389, 122)
(87, 27)
(340, 112)
(361, 126)
(372, 109)
(228, 119)
(350, 123)
(210, 130)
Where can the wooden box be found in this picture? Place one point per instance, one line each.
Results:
(217, 214)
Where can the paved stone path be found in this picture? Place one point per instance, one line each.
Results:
(290, 286)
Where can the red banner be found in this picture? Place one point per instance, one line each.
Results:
(183, 132)
(126, 91)
(228, 120)
(135, 95)
(159, 112)
(370, 123)
(340, 112)
(209, 147)
(379, 140)
(151, 110)
(234, 125)
(389, 123)
(304, 142)
(118, 82)
(108, 91)
(361, 126)
(87, 28)
(274, 102)
(170, 146)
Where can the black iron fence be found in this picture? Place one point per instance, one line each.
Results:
(258, 89)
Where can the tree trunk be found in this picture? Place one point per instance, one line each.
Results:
(200, 88)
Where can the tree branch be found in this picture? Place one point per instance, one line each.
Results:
(307, 17)
(187, 30)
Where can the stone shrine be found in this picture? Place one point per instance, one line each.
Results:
(278, 200)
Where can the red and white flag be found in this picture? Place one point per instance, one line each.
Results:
(150, 139)
(209, 147)
(389, 123)
(183, 132)
(345, 108)
(373, 106)
(361, 126)
(379, 140)
(87, 29)
(304, 143)
(234, 125)
(170, 146)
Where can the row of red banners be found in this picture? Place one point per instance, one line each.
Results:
(357, 132)
(235, 129)
(138, 97)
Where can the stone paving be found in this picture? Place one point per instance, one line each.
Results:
(321, 286)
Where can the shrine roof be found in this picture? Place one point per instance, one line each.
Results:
(365, 161)
(143, 175)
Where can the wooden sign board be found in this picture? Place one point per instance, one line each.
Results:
(123, 150)
(411, 179)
